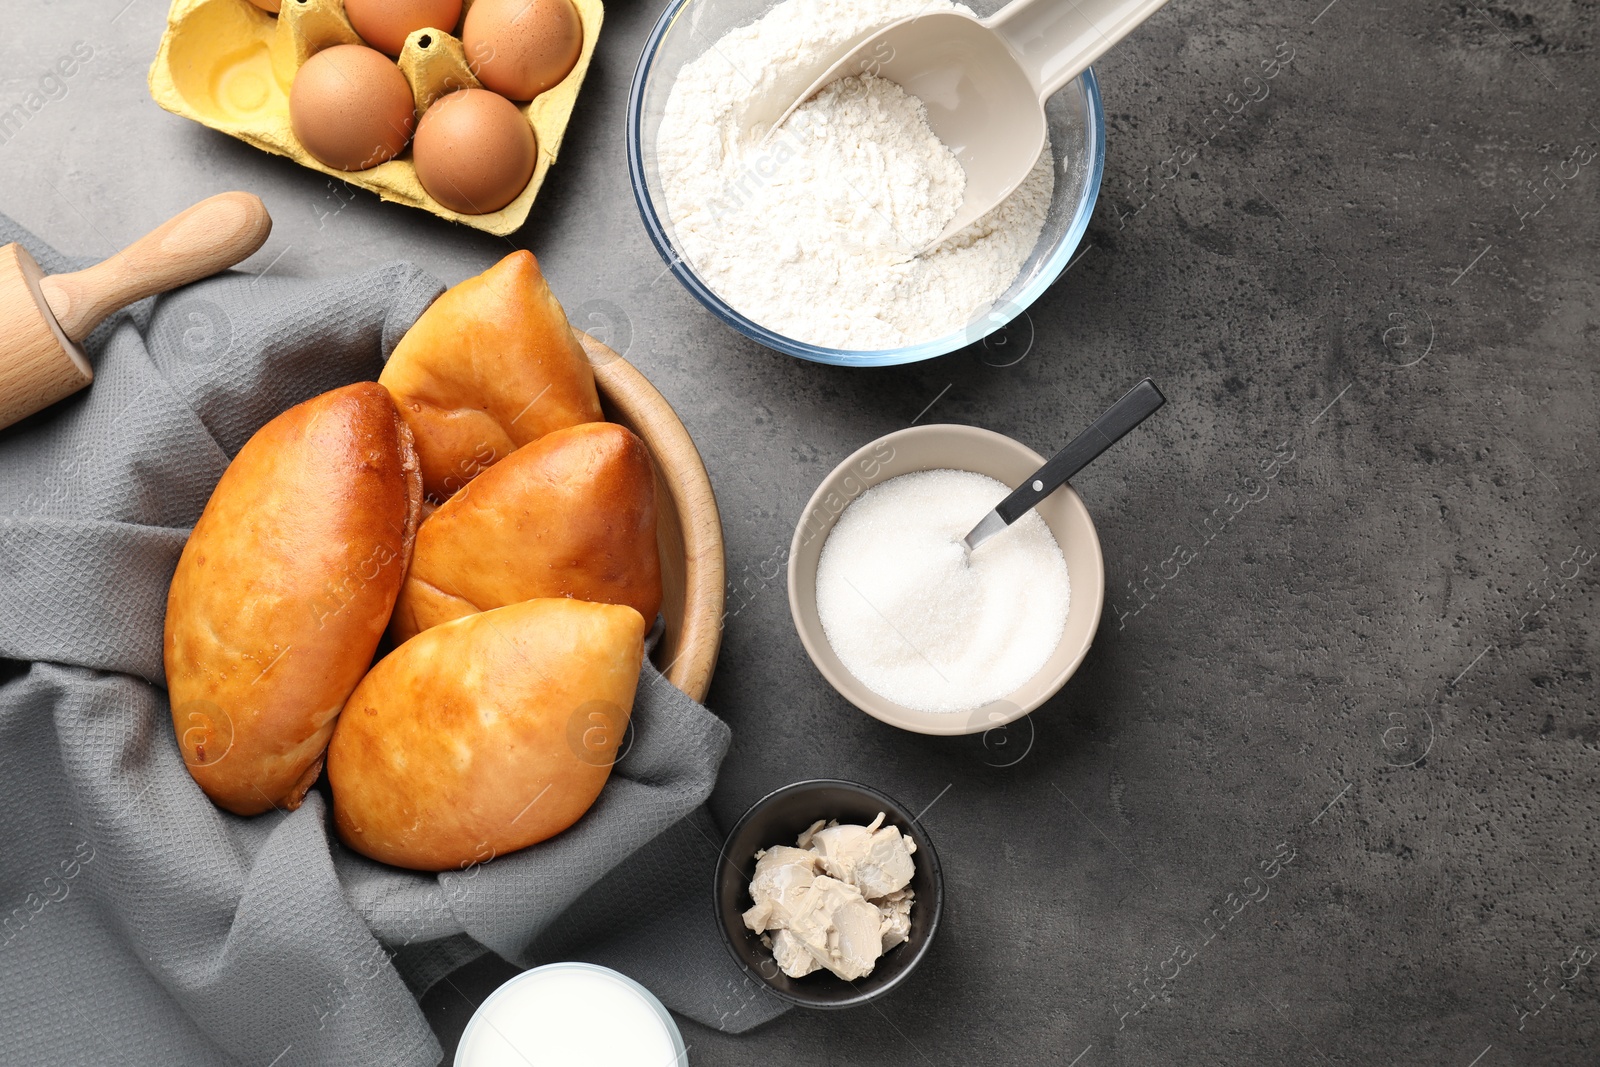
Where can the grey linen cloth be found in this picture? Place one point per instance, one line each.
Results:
(139, 924)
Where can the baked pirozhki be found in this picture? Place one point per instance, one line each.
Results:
(491, 366)
(283, 591)
(486, 734)
(571, 515)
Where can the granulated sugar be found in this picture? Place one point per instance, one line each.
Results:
(815, 233)
(918, 621)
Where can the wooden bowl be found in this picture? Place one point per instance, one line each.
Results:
(688, 527)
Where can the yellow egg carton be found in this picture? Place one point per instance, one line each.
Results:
(229, 65)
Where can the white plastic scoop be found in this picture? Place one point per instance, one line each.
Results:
(984, 81)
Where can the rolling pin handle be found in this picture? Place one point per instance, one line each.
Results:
(210, 236)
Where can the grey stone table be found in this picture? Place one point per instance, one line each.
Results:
(1351, 629)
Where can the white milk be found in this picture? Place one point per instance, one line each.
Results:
(571, 1015)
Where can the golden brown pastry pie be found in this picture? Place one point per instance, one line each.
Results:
(491, 366)
(572, 515)
(283, 591)
(486, 734)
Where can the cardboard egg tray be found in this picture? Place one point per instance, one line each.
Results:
(228, 65)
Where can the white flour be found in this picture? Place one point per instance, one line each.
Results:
(812, 234)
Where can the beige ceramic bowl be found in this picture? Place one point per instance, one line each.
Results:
(948, 448)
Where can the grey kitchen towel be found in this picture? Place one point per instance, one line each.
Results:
(139, 924)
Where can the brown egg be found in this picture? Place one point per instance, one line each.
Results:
(351, 107)
(520, 48)
(475, 151)
(385, 24)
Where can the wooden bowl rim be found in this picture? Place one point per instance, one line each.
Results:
(683, 471)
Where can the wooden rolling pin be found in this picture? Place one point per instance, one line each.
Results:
(43, 319)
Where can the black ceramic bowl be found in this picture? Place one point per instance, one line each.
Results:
(777, 819)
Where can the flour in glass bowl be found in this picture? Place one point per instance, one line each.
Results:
(814, 234)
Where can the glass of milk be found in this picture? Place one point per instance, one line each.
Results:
(571, 1015)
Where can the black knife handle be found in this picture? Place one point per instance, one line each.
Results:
(1140, 403)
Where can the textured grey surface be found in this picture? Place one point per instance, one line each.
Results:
(1384, 660)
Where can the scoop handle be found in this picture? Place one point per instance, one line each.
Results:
(212, 235)
(1140, 403)
(1057, 40)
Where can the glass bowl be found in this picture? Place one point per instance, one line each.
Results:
(1077, 138)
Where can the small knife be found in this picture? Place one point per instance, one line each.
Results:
(1140, 403)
